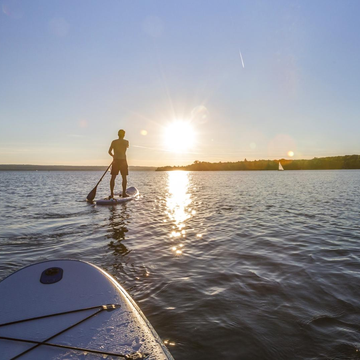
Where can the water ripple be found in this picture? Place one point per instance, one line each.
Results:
(241, 265)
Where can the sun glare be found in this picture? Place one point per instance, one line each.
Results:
(179, 136)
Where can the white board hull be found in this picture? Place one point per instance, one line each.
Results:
(133, 192)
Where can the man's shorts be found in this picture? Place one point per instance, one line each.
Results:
(120, 165)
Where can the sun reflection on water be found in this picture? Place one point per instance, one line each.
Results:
(177, 204)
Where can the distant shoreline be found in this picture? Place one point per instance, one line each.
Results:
(67, 168)
(346, 162)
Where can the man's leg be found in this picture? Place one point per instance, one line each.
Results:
(112, 185)
(124, 183)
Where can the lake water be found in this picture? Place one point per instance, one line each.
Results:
(225, 265)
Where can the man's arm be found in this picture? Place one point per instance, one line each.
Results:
(110, 150)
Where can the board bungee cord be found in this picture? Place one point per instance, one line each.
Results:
(100, 308)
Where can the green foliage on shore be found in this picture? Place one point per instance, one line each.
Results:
(325, 163)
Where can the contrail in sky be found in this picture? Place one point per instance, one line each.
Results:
(242, 61)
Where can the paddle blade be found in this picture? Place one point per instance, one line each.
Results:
(91, 195)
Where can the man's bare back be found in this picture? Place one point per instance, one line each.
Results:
(119, 146)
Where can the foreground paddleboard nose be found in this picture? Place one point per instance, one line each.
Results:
(66, 308)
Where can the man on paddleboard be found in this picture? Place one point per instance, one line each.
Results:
(119, 164)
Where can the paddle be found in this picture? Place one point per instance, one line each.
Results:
(92, 193)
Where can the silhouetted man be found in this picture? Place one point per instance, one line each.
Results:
(119, 146)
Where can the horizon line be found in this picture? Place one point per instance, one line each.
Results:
(156, 166)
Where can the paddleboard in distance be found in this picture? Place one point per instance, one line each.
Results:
(69, 309)
(132, 191)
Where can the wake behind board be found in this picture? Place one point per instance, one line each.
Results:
(131, 191)
(71, 304)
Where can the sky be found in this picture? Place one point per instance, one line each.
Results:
(253, 79)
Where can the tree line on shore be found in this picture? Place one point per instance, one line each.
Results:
(325, 163)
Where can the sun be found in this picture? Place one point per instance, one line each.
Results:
(179, 136)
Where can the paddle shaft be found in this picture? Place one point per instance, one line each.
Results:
(103, 175)
(92, 193)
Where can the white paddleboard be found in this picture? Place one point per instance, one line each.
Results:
(108, 320)
(133, 192)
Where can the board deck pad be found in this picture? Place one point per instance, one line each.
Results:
(120, 328)
(132, 191)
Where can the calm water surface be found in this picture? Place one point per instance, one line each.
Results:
(225, 265)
